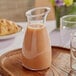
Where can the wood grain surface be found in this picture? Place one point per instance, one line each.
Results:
(10, 64)
(15, 9)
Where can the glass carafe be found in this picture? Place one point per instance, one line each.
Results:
(36, 50)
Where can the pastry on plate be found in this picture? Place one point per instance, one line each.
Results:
(8, 27)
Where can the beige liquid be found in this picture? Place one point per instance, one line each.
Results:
(37, 54)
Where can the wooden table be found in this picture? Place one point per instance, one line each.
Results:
(9, 65)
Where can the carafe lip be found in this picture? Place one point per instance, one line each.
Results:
(28, 13)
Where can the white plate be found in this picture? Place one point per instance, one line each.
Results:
(11, 35)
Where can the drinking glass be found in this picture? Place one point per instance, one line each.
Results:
(73, 55)
(67, 27)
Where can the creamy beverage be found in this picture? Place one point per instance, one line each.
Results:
(36, 50)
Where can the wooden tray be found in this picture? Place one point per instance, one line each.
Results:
(10, 66)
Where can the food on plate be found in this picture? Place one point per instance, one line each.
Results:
(8, 27)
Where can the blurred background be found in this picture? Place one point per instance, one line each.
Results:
(15, 9)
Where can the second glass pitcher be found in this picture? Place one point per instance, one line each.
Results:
(36, 50)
